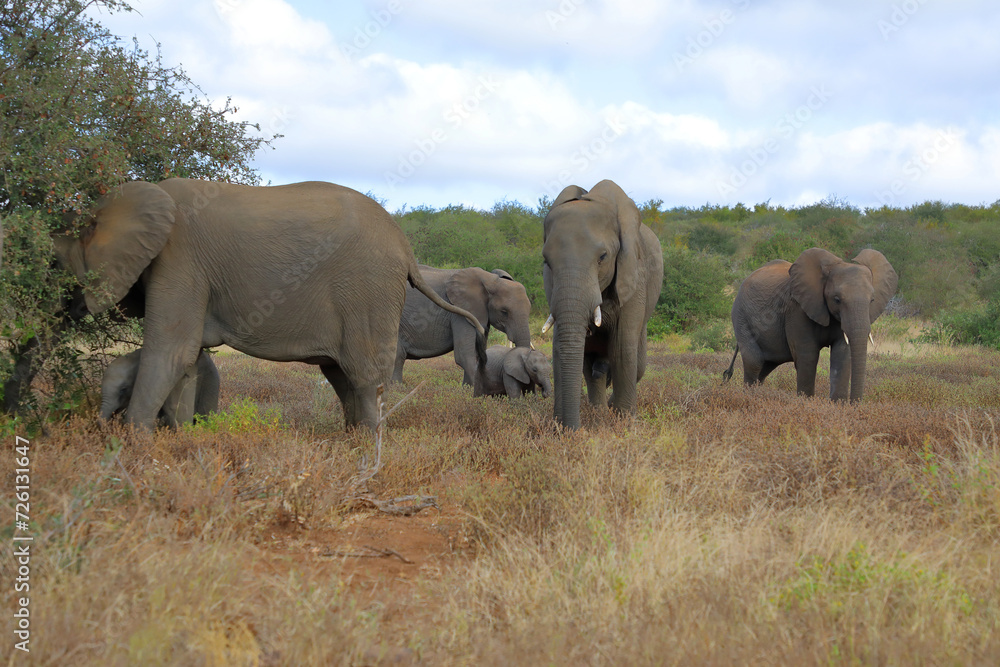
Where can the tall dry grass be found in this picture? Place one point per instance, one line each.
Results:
(721, 526)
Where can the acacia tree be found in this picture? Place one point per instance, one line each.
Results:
(82, 111)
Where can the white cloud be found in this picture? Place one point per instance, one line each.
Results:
(500, 99)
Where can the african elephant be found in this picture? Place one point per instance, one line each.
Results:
(197, 392)
(603, 271)
(310, 272)
(514, 371)
(496, 299)
(790, 311)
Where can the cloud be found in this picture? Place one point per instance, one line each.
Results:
(442, 102)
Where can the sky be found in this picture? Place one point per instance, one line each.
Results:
(474, 102)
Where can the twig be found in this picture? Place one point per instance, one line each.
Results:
(393, 506)
(376, 553)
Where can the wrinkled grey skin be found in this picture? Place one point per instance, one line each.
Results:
(310, 272)
(197, 392)
(496, 299)
(789, 312)
(513, 371)
(597, 253)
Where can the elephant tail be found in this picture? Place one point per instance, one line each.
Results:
(728, 373)
(417, 280)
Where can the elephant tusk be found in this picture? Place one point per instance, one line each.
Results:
(597, 316)
(510, 343)
(548, 323)
(532, 345)
(870, 339)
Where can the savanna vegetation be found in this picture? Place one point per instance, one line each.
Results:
(720, 526)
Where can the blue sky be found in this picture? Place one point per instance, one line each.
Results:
(437, 102)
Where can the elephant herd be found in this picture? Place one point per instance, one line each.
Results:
(321, 274)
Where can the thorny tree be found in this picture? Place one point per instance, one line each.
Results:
(81, 111)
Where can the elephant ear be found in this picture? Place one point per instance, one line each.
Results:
(130, 227)
(629, 255)
(503, 274)
(514, 366)
(884, 279)
(467, 289)
(808, 278)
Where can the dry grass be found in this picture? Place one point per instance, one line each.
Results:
(722, 526)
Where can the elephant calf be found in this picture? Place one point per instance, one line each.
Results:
(425, 330)
(197, 392)
(514, 371)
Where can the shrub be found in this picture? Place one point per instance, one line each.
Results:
(978, 325)
(695, 289)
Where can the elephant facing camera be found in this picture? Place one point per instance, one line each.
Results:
(790, 311)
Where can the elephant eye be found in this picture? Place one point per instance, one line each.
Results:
(836, 299)
(603, 257)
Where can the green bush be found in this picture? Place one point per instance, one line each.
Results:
(978, 325)
(696, 288)
(715, 336)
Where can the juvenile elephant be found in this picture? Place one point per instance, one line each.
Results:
(790, 311)
(197, 392)
(495, 298)
(603, 271)
(310, 272)
(514, 371)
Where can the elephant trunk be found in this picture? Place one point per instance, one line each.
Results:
(520, 335)
(567, 366)
(546, 384)
(857, 336)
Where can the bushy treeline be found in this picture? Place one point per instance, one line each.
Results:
(947, 255)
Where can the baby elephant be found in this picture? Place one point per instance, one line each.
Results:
(197, 392)
(513, 371)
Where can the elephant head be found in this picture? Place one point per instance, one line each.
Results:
(529, 366)
(126, 231)
(495, 299)
(852, 293)
(592, 256)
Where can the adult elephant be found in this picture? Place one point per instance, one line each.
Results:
(310, 272)
(197, 392)
(790, 311)
(603, 271)
(495, 298)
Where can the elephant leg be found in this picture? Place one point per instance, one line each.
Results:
(805, 369)
(160, 372)
(206, 398)
(597, 382)
(464, 337)
(640, 360)
(765, 369)
(178, 408)
(512, 386)
(397, 368)
(358, 402)
(840, 370)
(623, 377)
